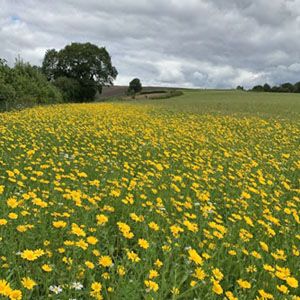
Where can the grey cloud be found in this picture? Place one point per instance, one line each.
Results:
(196, 43)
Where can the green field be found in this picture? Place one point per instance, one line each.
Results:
(231, 102)
(191, 197)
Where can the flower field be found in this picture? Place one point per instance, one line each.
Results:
(137, 201)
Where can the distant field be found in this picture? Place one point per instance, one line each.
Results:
(192, 197)
(120, 91)
(234, 102)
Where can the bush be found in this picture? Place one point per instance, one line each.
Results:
(25, 85)
(168, 95)
(154, 92)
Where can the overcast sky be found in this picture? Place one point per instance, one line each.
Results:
(193, 43)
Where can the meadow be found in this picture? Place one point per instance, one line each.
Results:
(193, 197)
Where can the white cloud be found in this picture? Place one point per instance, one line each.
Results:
(199, 43)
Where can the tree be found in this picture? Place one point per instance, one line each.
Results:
(267, 87)
(86, 63)
(240, 88)
(69, 87)
(135, 86)
(287, 88)
(297, 87)
(258, 88)
(49, 66)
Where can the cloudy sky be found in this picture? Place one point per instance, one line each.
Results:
(192, 43)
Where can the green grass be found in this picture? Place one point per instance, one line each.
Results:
(278, 105)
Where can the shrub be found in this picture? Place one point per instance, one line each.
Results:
(25, 85)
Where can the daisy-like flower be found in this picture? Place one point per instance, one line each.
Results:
(77, 286)
(56, 289)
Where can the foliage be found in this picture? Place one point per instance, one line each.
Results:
(25, 85)
(283, 88)
(240, 88)
(69, 87)
(154, 92)
(258, 88)
(86, 63)
(267, 87)
(167, 95)
(135, 86)
(163, 203)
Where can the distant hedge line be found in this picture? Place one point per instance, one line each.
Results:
(24, 85)
(282, 88)
(167, 95)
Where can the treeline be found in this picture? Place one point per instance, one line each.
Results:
(25, 85)
(74, 74)
(283, 88)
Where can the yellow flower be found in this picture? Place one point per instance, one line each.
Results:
(133, 256)
(282, 288)
(13, 216)
(176, 230)
(89, 264)
(105, 275)
(151, 285)
(92, 240)
(264, 246)
(195, 257)
(15, 295)
(175, 291)
(105, 261)
(28, 283)
(29, 255)
(153, 274)
(5, 288)
(217, 288)
(292, 282)
(47, 268)
(158, 263)
(143, 243)
(153, 226)
(268, 268)
(3, 222)
(77, 230)
(121, 270)
(230, 296)
(265, 295)
(96, 286)
(59, 224)
(199, 274)
(244, 284)
(101, 219)
(12, 202)
(218, 274)
(126, 230)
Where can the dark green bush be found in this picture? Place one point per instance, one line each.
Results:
(24, 85)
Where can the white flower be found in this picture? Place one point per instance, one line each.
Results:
(77, 286)
(56, 289)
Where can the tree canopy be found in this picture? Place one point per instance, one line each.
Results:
(88, 65)
(135, 86)
(283, 88)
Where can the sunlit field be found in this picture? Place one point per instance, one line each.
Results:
(195, 197)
